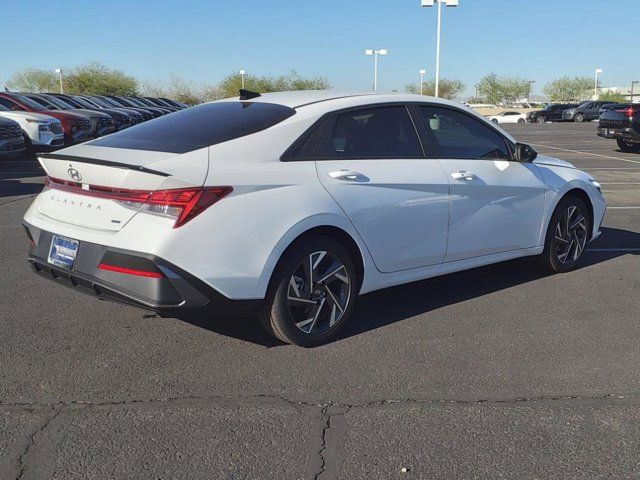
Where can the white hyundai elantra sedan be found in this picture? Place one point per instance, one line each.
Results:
(290, 205)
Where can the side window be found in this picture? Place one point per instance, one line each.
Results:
(379, 132)
(457, 135)
(306, 147)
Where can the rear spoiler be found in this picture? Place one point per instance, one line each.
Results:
(97, 161)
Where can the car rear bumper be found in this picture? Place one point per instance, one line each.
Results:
(172, 289)
(626, 133)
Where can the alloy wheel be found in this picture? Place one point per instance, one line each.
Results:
(570, 235)
(318, 293)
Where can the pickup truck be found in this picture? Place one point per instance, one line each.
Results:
(622, 123)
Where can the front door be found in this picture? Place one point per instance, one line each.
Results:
(497, 204)
(372, 163)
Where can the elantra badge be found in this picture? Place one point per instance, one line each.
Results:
(74, 174)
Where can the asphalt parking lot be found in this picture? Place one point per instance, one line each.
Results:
(499, 372)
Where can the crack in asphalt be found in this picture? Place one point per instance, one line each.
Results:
(32, 441)
(323, 443)
(321, 405)
(18, 200)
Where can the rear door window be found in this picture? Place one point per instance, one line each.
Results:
(379, 132)
(198, 127)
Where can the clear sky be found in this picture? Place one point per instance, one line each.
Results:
(205, 40)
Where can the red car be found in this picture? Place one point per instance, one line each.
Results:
(77, 127)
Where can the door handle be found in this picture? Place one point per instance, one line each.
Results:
(463, 175)
(348, 175)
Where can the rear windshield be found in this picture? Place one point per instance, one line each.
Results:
(198, 127)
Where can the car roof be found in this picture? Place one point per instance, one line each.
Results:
(302, 98)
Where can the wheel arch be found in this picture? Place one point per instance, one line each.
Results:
(584, 197)
(336, 230)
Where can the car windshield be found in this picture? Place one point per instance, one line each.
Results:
(33, 105)
(198, 127)
(4, 109)
(584, 105)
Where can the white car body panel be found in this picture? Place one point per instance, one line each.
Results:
(520, 117)
(413, 219)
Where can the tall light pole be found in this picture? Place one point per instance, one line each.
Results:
(422, 74)
(375, 54)
(529, 91)
(242, 72)
(595, 88)
(634, 82)
(59, 72)
(429, 3)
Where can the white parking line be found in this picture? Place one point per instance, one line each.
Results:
(623, 208)
(586, 153)
(619, 183)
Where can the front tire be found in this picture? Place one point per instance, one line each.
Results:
(312, 293)
(541, 119)
(628, 147)
(521, 120)
(567, 235)
(579, 118)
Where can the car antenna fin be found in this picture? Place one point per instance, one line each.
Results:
(248, 94)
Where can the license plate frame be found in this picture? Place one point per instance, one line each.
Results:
(63, 252)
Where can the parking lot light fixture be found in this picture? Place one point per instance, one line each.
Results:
(59, 72)
(530, 82)
(429, 3)
(634, 82)
(242, 72)
(595, 88)
(375, 54)
(422, 74)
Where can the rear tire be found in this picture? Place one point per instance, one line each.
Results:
(628, 147)
(567, 235)
(521, 120)
(312, 292)
(579, 118)
(541, 119)
(494, 120)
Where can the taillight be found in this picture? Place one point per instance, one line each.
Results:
(184, 204)
(628, 111)
(181, 204)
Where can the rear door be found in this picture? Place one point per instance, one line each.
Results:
(371, 162)
(497, 204)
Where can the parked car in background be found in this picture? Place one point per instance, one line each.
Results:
(292, 204)
(42, 133)
(551, 113)
(138, 115)
(622, 123)
(127, 102)
(76, 126)
(147, 113)
(161, 102)
(101, 123)
(11, 138)
(508, 117)
(148, 102)
(121, 118)
(585, 112)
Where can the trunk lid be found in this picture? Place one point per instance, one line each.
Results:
(116, 169)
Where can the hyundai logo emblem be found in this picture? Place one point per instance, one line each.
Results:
(74, 174)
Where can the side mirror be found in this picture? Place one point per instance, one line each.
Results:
(525, 153)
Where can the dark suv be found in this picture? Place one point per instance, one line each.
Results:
(551, 113)
(586, 112)
(622, 122)
(11, 138)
